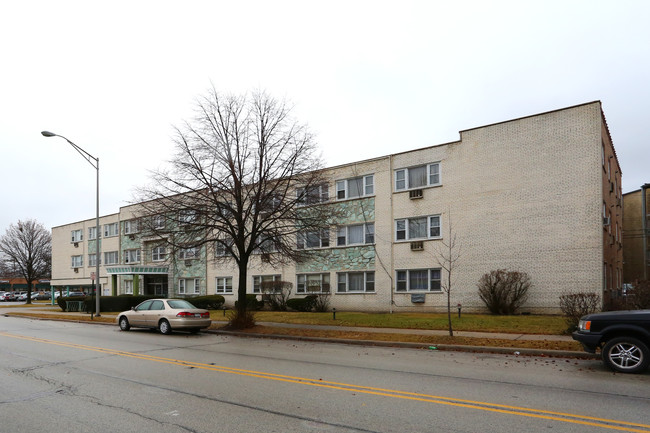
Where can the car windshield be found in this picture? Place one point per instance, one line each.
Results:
(178, 304)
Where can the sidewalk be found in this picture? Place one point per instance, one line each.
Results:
(48, 312)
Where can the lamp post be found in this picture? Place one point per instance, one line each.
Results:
(95, 163)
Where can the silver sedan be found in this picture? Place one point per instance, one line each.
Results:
(165, 315)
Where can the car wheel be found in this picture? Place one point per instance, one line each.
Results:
(165, 327)
(626, 355)
(124, 324)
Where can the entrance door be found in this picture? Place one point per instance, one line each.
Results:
(156, 285)
(159, 290)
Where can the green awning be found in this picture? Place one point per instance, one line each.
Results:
(137, 270)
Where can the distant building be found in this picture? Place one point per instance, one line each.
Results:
(539, 194)
(636, 235)
(9, 284)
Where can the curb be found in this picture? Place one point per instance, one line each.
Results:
(407, 345)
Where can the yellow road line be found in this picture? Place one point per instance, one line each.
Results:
(450, 401)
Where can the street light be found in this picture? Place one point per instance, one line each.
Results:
(95, 163)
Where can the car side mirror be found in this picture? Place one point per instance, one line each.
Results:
(132, 308)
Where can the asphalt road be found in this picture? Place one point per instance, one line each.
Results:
(60, 377)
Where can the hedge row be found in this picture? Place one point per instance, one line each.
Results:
(126, 302)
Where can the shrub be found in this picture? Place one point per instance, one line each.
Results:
(503, 291)
(106, 303)
(276, 294)
(209, 302)
(302, 304)
(576, 305)
(241, 321)
(322, 302)
(115, 303)
(252, 303)
(640, 295)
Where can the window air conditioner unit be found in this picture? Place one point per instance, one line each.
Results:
(418, 298)
(415, 193)
(606, 221)
(76, 270)
(188, 263)
(132, 237)
(417, 246)
(266, 258)
(76, 244)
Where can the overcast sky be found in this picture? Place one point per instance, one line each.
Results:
(370, 78)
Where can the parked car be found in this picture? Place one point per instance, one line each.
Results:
(22, 296)
(622, 336)
(4, 296)
(39, 296)
(167, 315)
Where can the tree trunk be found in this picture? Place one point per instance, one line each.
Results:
(241, 288)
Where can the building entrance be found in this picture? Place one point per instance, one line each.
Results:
(155, 285)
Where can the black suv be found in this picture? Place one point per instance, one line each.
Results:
(624, 337)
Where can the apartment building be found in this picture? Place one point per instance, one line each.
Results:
(538, 194)
(636, 233)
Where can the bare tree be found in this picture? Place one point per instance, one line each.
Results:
(246, 182)
(27, 246)
(449, 253)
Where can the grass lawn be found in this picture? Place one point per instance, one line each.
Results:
(544, 325)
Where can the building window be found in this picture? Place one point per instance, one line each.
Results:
(77, 235)
(417, 177)
(356, 234)
(259, 280)
(77, 261)
(265, 245)
(313, 239)
(92, 260)
(92, 233)
(158, 254)
(128, 287)
(187, 216)
(222, 248)
(313, 283)
(110, 230)
(130, 227)
(418, 280)
(131, 256)
(224, 284)
(417, 228)
(189, 286)
(355, 282)
(312, 195)
(188, 253)
(158, 222)
(111, 257)
(355, 187)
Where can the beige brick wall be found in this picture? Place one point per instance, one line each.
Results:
(525, 195)
(63, 249)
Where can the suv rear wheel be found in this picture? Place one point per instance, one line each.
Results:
(626, 355)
